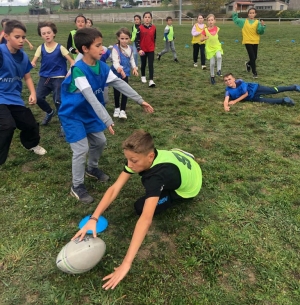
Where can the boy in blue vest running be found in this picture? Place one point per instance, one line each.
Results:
(167, 176)
(82, 112)
(14, 66)
(169, 40)
(53, 68)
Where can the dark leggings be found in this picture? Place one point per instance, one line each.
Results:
(123, 99)
(196, 48)
(150, 56)
(252, 53)
(166, 200)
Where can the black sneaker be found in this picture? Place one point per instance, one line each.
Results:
(219, 73)
(255, 75)
(212, 80)
(97, 174)
(176, 60)
(158, 57)
(81, 194)
(48, 117)
(248, 67)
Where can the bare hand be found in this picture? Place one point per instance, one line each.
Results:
(231, 103)
(30, 46)
(117, 276)
(32, 99)
(135, 72)
(147, 107)
(33, 64)
(262, 22)
(227, 108)
(141, 52)
(110, 129)
(90, 225)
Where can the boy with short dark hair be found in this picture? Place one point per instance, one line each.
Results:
(53, 68)
(167, 176)
(237, 91)
(82, 112)
(169, 40)
(14, 66)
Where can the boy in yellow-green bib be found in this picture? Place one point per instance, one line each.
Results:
(169, 40)
(251, 31)
(167, 176)
(213, 47)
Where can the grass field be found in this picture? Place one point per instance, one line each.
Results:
(237, 243)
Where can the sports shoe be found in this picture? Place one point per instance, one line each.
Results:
(116, 113)
(48, 117)
(185, 152)
(248, 67)
(39, 150)
(255, 75)
(219, 73)
(212, 80)
(151, 83)
(195, 65)
(97, 174)
(143, 79)
(176, 60)
(203, 67)
(158, 56)
(122, 115)
(288, 101)
(81, 194)
(297, 87)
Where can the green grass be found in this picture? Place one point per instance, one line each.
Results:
(236, 243)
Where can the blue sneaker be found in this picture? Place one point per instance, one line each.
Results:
(212, 80)
(288, 101)
(48, 117)
(297, 88)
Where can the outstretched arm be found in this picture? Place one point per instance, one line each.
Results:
(109, 196)
(242, 97)
(140, 231)
(226, 101)
(29, 44)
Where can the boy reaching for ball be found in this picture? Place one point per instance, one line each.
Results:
(167, 176)
(238, 91)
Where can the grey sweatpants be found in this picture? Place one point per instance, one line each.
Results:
(93, 146)
(169, 45)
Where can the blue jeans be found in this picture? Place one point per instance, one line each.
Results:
(263, 90)
(135, 53)
(44, 88)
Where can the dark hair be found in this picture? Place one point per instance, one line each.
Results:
(200, 15)
(85, 37)
(80, 15)
(140, 142)
(228, 74)
(14, 24)
(92, 23)
(138, 16)
(147, 13)
(46, 24)
(4, 20)
(252, 8)
(169, 18)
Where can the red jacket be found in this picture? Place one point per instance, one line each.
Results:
(147, 36)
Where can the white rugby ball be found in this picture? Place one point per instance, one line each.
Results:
(80, 256)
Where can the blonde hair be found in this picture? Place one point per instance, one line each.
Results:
(210, 15)
(140, 142)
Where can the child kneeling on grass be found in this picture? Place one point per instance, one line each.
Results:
(237, 91)
(14, 66)
(167, 176)
(82, 112)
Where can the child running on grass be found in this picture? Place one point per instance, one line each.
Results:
(145, 44)
(198, 45)
(251, 31)
(14, 66)
(238, 91)
(169, 40)
(80, 23)
(135, 28)
(123, 61)
(53, 69)
(167, 177)
(82, 112)
(213, 47)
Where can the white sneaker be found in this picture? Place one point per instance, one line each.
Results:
(122, 115)
(143, 79)
(151, 83)
(203, 67)
(39, 150)
(116, 113)
(195, 65)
